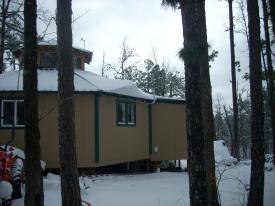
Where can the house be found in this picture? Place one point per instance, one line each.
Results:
(115, 121)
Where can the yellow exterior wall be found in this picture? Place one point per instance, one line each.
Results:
(48, 125)
(84, 127)
(168, 132)
(117, 144)
(121, 143)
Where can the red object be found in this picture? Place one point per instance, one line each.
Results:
(6, 161)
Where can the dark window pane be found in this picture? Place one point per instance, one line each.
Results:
(78, 63)
(20, 113)
(121, 113)
(48, 60)
(8, 112)
(131, 113)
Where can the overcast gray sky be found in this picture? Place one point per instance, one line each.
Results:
(148, 25)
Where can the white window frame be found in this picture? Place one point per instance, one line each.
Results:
(15, 113)
(126, 104)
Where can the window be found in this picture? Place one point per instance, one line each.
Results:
(130, 113)
(78, 63)
(13, 113)
(126, 113)
(48, 60)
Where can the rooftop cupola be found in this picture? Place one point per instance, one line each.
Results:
(47, 55)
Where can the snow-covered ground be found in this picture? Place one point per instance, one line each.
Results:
(162, 188)
(157, 189)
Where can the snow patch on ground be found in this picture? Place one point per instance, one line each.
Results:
(157, 189)
(163, 188)
(183, 165)
(222, 155)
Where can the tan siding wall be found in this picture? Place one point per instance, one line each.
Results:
(5, 136)
(84, 109)
(49, 129)
(169, 131)
(84, 122)
(118, 143)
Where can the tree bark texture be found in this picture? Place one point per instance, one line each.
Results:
(270, 71)
(208, 126)
(67, 145)
(208, 118)
(236, 142)
(272, 14)
(34, 195)
(195, 45)
(256, 192)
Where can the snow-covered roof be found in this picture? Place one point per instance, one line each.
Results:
(84, 81)
(53, 42)
(164, 98)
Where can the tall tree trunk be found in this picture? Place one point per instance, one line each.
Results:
(195, 45)
(68, 164)
(209, 132)
(34, 195)
(272, 13)
(256, 192)
(227, 121)
(236, 142)
(208, 120)
(270, 72)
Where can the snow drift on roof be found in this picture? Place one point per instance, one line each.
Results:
(84, 81)
(53, 42)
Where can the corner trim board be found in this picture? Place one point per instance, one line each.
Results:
(96, 127)
(150, 128)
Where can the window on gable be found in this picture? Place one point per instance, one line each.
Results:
(78, 63)
(48, 60)
(12, 112)
(126, 113)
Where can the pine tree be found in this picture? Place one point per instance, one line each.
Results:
(256, 192)
(66, 128)
(272, 14)
(12, 31)
(199, 121)
(4, 14)
(270, 73)
(236, 142)
(195, 45)
(34, 181)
